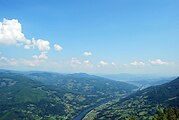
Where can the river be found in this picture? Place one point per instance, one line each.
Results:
(83, 113)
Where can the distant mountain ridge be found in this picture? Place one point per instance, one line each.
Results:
(81, 80)
(141, 80)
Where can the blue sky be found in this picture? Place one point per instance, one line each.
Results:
(131, 36)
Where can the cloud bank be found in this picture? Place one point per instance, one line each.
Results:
(158, 62)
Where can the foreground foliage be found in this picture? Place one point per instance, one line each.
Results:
(167, 114)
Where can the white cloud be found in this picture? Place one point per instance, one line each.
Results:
(11, 32)
(103, 63)
(113, 63)
(87, 54)
(42, 45)
(137, 63)
(43, 55)
(75, 62)
(26, 46)
(158, 62)
(86, 62)
(31, 63)
(4, 61)
(7, 61)
(57, 47)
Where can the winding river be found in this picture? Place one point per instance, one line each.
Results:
(83, 113)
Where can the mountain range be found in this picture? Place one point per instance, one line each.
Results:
(46, 95)
(27, 95)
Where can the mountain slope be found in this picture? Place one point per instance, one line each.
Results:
(81, 82)
(141, 80)
(167, 94)
(23, 98)
(144, 104)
